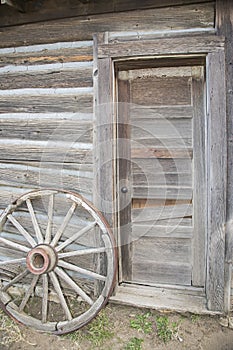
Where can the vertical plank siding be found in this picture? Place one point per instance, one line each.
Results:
(216, 106)
(224, 26)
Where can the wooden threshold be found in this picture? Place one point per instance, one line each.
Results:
(161, 298)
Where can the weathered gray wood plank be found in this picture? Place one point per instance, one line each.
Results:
(224, 25)
(158, 112)
(216, 107)
(162, 213)
(199, 179)
(48, 54)
(53, 79)
(162, 129)
(164, 166)
(162, 192)
(44, 104)
(33, 127)
(153, 91)
(124, 179)
(103, 146)
(161, 298)
(44, 176)
(165, 46)
(143, 177)
(158, 231)
(45, 151)
(189, 16)
(168, 261)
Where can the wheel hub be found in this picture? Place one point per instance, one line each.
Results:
(41, 259)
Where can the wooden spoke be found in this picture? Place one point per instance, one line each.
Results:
(75, 236)
(82, 252)
(20, 228)
(14, 245)
(48, 233)
(45, 298)
(29, 292)
(73, 285)
(39, 236)
(81, 270)
(58, 290)
(72, 292)
(64, 224)
(14, 261)
(15, 280)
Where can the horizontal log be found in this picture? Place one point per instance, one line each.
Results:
(44, 176)
(35, 127)
(176, 17)
(56, 103)
(162, 192)
(72, 8)
(169, 212)
(81, 51)
(47, 79)
(44, 151)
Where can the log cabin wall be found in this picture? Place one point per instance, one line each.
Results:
(46, 85)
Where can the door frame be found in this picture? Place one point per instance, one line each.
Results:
(107, 56)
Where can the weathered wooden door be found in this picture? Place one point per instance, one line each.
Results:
(162, 175)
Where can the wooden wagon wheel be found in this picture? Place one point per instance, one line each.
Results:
(58, 261)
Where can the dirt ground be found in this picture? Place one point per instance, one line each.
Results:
(126, 328)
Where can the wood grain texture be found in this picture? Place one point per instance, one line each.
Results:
(153, 91)
(216, 107)
(176, 17)
(33, 127)
(52, 79)
(224, 25)
(168, 261)
(43, 151)
(44, 104)
(158, 112)
(199, 179)
(165, 46)
(56, 176)
(71, 8)
(162, 213)
(104, 156)
(124, 179)
(48, 55)
(177, 299)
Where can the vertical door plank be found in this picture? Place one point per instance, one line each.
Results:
(199, 178)
(124, 177)
(216, 128)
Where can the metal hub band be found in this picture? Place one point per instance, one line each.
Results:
(41, 259)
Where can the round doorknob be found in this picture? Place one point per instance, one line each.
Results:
(124, 189)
